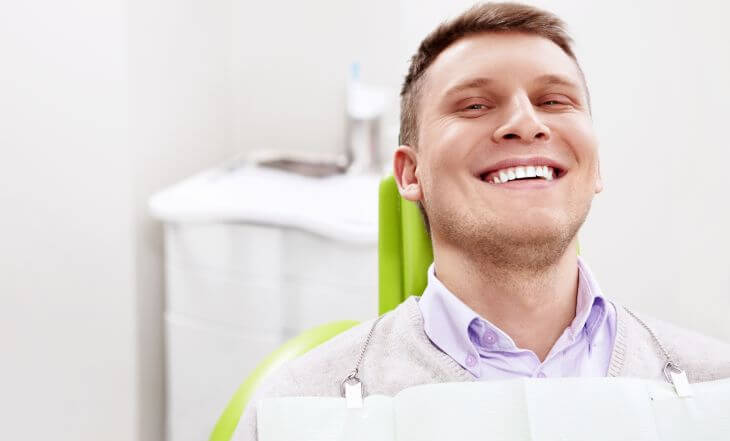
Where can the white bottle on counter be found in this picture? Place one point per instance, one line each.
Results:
(365, 106)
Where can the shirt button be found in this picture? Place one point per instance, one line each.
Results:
(471, 360)
(489, 338)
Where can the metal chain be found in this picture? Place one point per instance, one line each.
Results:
(661, 346)
(353, 378)
(353, 374)
(669, 363)
(355, 371)
(670, 367)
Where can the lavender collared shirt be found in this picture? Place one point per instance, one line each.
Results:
(582, 350)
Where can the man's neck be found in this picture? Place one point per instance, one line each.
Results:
(533, 306)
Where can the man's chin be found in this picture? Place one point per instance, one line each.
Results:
(525, 246)
(534, 235)
(534, 253)
(531, 239)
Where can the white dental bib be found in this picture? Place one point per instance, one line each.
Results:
(559, 409)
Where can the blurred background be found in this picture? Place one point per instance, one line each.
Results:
(146, 266)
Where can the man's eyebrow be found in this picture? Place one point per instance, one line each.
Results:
(476, 83)
(473, 83)
(558, 80)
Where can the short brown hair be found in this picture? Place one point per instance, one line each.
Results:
(481, 18)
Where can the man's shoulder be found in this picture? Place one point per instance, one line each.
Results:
(319, 371)
(312, 374)
(398, 343)
(704, 358)
(398, 347)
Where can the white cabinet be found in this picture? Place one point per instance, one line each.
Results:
(237, 287)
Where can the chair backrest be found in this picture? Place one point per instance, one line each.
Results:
(404, 248)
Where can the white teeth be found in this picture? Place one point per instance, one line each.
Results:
(522, 172)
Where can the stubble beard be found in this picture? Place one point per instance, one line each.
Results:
(508, 246)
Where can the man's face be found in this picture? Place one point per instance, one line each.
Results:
(503, 105)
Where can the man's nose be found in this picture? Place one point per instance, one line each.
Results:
(522, 123)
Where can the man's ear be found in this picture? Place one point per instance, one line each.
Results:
(599, 179)
(405, 164)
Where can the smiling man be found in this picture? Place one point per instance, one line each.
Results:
(498, 149)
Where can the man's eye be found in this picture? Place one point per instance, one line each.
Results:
(556, 102)
(475, 107)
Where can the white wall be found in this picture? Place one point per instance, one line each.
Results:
(67, 320)
(102, 104)
(290, 65)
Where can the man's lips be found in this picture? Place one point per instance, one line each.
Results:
(539, 169)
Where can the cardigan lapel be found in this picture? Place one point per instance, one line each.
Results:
(618, 355)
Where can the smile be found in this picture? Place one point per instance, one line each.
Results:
(504, 175)
(523, 173)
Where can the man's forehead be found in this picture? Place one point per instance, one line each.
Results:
(494, 57)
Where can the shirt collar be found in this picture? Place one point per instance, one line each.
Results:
(446, 321)
(590, 308)
(461, 333)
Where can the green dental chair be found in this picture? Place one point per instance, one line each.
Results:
(404, 254)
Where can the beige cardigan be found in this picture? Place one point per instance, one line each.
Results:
(400, 355)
